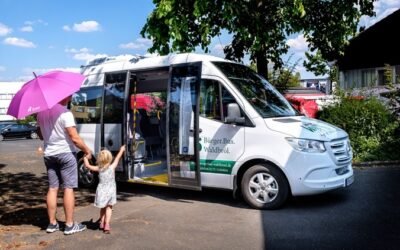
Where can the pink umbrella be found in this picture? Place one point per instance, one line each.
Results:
(43, 92)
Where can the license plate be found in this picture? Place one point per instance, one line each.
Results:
(349, 180)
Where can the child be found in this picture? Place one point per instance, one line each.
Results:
(106, 193)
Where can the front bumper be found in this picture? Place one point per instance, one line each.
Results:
(330, 182)
(322, 179)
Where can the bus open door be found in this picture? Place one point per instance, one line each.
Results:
(183, 126)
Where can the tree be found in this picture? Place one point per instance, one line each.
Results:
(284, 77)
(258, 27)
(328, 26)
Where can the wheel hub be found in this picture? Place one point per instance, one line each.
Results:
(264, 187)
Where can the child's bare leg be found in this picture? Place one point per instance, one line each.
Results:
(102, 216)
(108, 214)
(107, 219)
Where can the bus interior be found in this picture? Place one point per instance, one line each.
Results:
(146, 132)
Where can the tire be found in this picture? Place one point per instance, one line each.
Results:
(86, 178)
(264, 187)
(33, 135)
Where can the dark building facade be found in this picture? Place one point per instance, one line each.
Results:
(364, 60)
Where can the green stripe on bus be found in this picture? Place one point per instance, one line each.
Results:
(215, 166)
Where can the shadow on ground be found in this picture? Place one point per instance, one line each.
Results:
(23, 199)
(218, 196)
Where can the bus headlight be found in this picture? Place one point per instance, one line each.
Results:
(304, 145)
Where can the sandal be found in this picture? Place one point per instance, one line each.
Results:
(107, 229)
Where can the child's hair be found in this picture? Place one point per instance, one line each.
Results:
(104, 158)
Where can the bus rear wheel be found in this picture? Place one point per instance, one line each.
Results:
(87, 179)
(264, 187)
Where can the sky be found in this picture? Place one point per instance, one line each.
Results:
(43, 35)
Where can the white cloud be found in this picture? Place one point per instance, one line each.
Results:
(369, 21)
(2, 68)
(35, 22)
(75, 51)
(4, 30)
(384, 14)
(28, 25)
(27, 29)
(390, 3)
(66, 28)
(140, 43)
(83, 54)
(40, 71)
(87, 56)
(298, 44)
(382, 8)
(85, 26)
(19, 42)
(28, 75)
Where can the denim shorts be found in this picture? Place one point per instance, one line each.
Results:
(62, 169)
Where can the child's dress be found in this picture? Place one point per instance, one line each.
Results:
(106, 193)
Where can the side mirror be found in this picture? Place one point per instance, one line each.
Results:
(234, 114)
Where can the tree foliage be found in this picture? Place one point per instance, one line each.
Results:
(285, 77)
(373, 130)
(259, 28)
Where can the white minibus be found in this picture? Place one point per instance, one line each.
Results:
(193, 121)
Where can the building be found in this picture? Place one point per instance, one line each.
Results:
(7, 92)
(370, 53)
(321, 84)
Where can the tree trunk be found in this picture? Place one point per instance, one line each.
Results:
(262, 63)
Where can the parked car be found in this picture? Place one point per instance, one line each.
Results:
(17, 131)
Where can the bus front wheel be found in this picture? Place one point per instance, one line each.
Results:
(264, 187)
(87, 179)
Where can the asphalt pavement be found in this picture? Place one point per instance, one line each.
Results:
(364, 216)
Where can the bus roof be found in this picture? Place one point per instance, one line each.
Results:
(131, 62)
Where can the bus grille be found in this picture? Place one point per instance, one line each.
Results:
(341, 151)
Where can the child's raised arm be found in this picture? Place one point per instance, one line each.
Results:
(118, 157)
(89, 166)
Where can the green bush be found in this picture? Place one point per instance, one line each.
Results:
(27, 120)
(373, 130)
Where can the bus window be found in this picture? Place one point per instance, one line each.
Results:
(86, 105)
(114, 89)
(212, 97)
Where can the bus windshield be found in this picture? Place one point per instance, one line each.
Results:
(265, 99)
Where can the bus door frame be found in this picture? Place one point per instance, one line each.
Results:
(180, 76)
